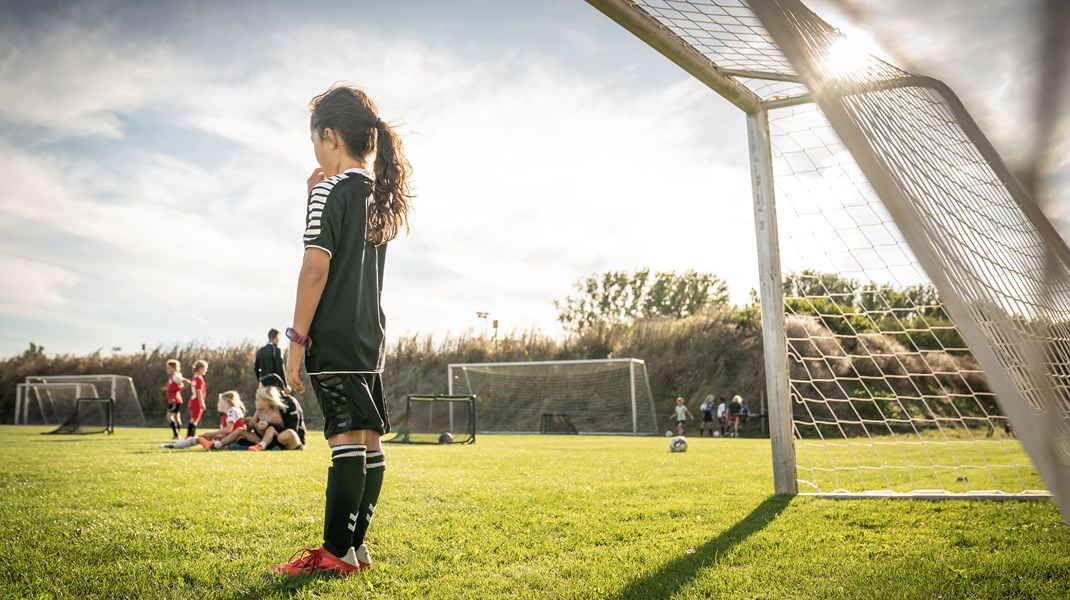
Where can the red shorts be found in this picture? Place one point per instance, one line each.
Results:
(196, 409)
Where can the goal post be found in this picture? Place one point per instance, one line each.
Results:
(50, 399)
(915, 301)
(608, 396)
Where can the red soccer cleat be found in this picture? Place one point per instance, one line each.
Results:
(205, 443)
(256, 447)
(308, 561)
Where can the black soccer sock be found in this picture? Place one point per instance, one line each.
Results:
(373, 484)
(174, 428)
(191, 430)
(345, 486)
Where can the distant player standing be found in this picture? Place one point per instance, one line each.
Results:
(358, 201)
(681, 414)
(173, 391)
(707, 416)
(196, 400)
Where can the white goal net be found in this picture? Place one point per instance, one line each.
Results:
(916, 303)
(596, 396)
(50, 399)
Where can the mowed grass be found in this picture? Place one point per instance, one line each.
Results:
(507, 517)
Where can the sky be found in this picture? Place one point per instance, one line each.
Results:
(153, 156)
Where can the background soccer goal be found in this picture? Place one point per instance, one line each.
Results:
(91, 415)
(52, 399)
(599, 396)
(428, 418)
(925, 300)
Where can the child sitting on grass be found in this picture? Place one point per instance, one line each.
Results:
(263, 426)
(231, 419)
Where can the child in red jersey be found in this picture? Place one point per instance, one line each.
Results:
(196, 401)
(231, 419)
(173, 389)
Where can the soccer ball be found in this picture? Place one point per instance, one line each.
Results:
(445, 438)
(678, 444)
(668, 434)
(716, 434)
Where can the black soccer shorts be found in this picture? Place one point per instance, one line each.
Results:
(351, 402)
(174, 408)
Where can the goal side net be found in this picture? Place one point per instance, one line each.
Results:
(91, 415)
(610, 396)
(915, 302)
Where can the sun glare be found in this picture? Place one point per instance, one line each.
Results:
(846, 59)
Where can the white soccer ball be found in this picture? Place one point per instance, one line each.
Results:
(445, 438)
(716, 434)
(678, 444)
(668, 434)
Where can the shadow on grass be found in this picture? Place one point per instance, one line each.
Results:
(677, 573)
(281, 586)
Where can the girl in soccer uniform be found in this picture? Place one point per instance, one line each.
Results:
(231, 418)
(707, 416)
(196, 401)
(681, 414)
(358, 200)
(173, 389)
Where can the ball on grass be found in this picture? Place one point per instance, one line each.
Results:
(445, 438)
(678, 444)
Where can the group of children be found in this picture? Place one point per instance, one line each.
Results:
(277, 423)
(730, 416)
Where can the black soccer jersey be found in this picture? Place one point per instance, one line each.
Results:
(348, 331)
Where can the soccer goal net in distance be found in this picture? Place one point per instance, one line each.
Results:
(610, 396)
(437, 419)
(915, 303)
(91, 415)
(52, 399)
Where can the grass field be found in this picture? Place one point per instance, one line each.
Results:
(508, 517)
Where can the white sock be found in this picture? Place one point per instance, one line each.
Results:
(350, 557)
(217, 445)
(186, 443)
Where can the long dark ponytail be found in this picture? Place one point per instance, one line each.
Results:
(352, 114)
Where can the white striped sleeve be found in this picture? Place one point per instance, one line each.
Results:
(319, 227)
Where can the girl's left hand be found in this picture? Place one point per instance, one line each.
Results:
(294, 356)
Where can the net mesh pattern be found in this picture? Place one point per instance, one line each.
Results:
(728, 34)
(885, 393)
(595, 396)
